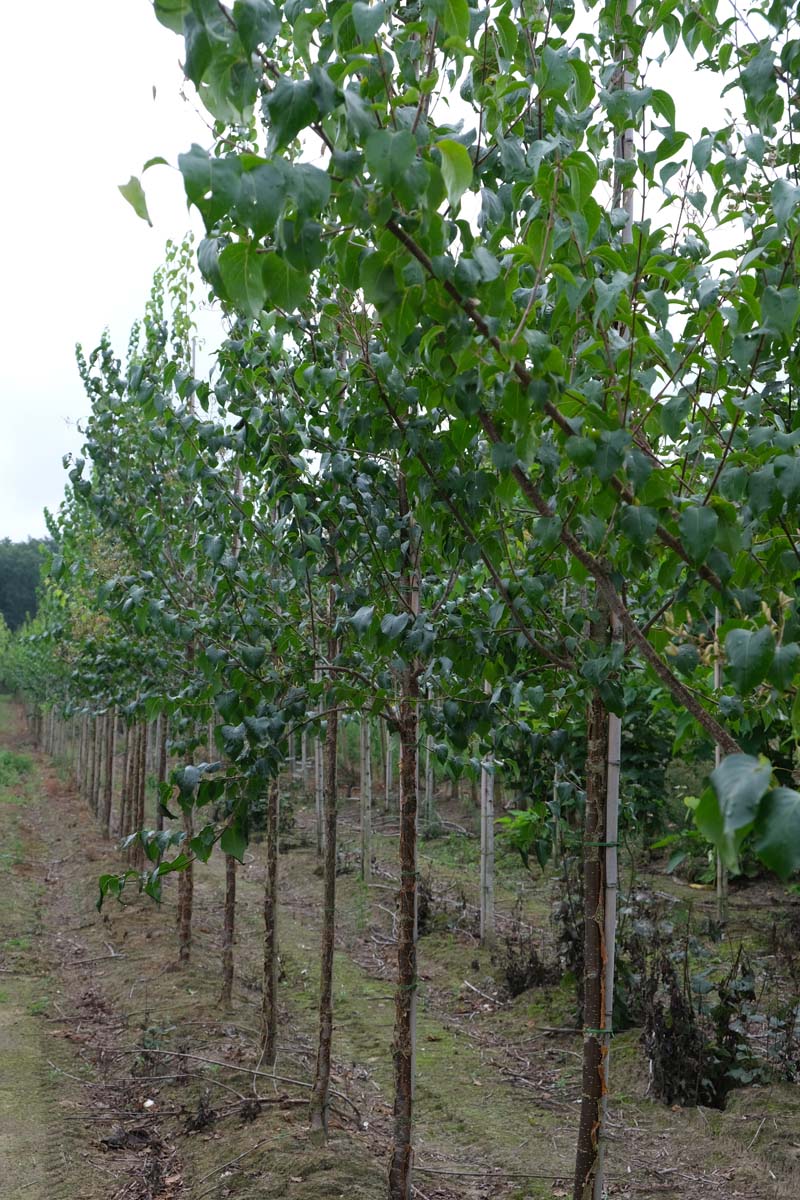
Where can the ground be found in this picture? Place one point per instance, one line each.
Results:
(122, 1077)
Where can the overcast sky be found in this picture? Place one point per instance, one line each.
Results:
(81, 118)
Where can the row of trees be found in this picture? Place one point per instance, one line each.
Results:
(502, 434)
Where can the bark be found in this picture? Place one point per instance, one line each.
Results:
(124, 800)
(319, 1096)
(228, 931)
(108, 791)
(161, 767)
(403, 1048)
(186, 893)
(144, 736)
(92, 760)
(404, 1042)
(365, 799)
(593, 1005)
(389, 765)
(269, 995)
(487, 854)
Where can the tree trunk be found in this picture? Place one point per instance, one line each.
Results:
(403, 1046)
(186, 893)
(365, 799)
(594, 922)
(319, 1096)
(228, 931)
(108, 793)
(487, 852)
(389, 764)
(161, 767)
(92, 760)
(269, 1000)
(405, 1020)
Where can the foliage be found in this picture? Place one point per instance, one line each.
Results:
(20, 571)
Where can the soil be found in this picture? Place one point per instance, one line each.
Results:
(122, 1077)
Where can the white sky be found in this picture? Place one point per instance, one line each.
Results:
(81, 119)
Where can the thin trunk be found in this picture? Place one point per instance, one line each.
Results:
(405, 1021)
(487, 852)
(108, 793)
(594, 929)
(609, 945)
(389, 769)
(722, 870)
(319, 1095)
(161, 768)
(269, 995)
(228, 931)
(319, 787)
(92, 763)
(125, 797)
(430, 814)
(365, 799)
(186, 894)
(403, 1046)
(145, 738)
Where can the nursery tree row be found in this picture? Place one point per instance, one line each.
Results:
(500, 444)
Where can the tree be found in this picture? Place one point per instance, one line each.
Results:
(20, 571)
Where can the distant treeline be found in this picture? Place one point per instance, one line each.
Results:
(20, 568)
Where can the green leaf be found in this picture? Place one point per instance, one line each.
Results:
(241, 267)
(389, 155)
(258, 22)
(749, 654)
(739, 783)
(234, 840)
(779, 310)
(362, 618)
(368, 19)
(393, 625)
(581, 450)
(785, 197)
(134, 194)
(291, 108)
(456, 169)
(777, 840)
(698, 526)
(504, 456)
(453, 16)
(784, 666)
(172, 12)
(262, 195)
(285, 287)
(639, 523)
(253, 656)
(213, 547)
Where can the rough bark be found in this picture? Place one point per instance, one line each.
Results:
(404, 1041)
(405, 998)
(161, 767)
(487, 854)
(108, 791)
(320, 1093)
(228, 931)
(269, 995)
(124, 800)
(593, 1006)
(92, 760)
(365, 799)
